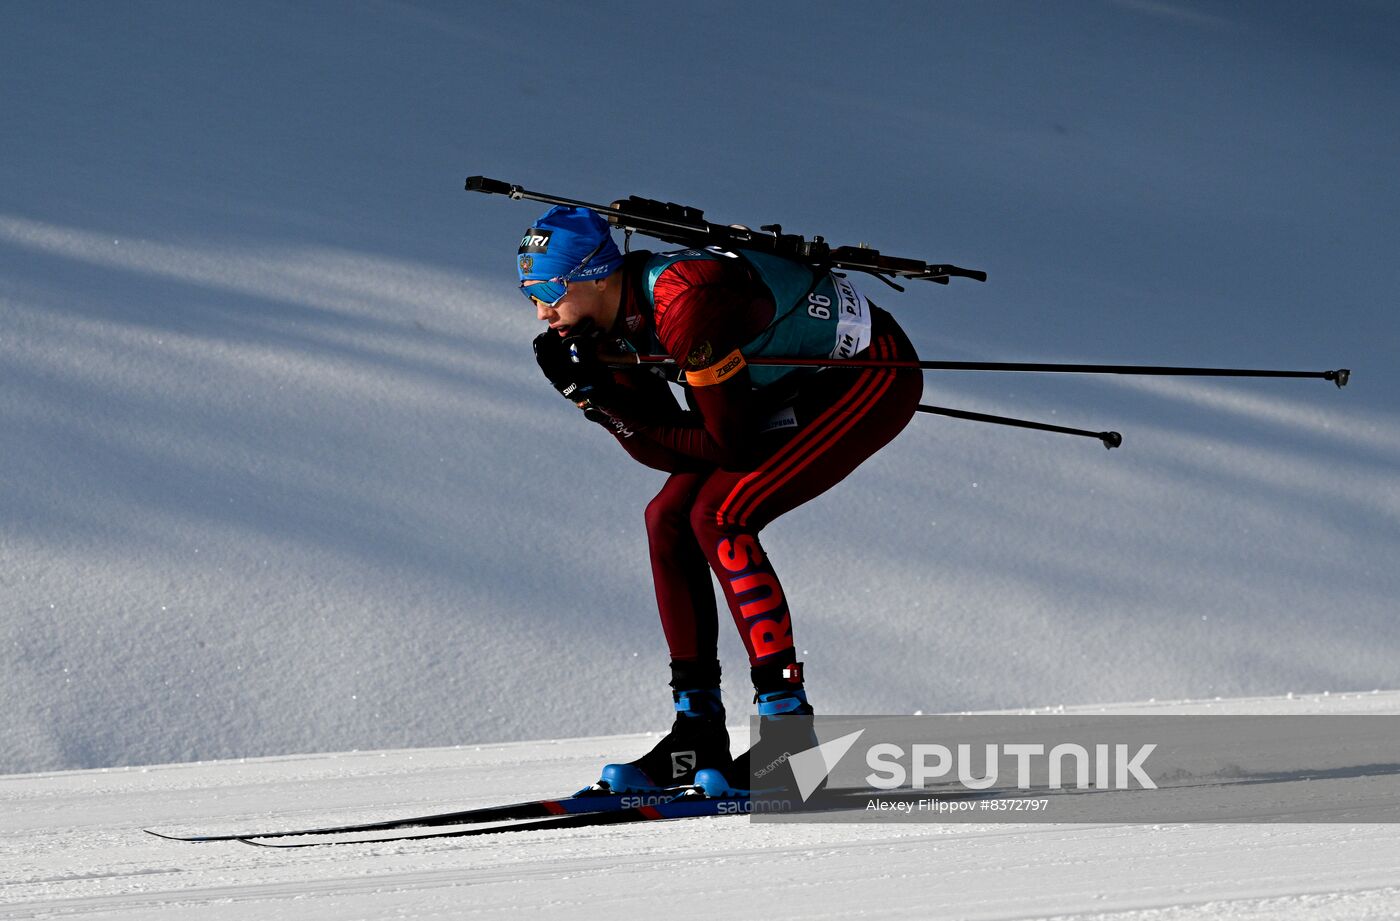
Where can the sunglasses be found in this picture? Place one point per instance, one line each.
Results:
(551, 291)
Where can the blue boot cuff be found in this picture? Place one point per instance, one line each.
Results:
(699, 702)
(776, 703)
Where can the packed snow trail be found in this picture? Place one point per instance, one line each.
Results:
(72, 847)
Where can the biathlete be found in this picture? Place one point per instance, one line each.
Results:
(753, 443)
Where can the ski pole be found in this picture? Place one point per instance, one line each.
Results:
(1340, 377)
(1110, 440)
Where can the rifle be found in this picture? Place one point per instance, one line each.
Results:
(687, 227)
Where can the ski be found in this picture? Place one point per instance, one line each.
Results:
(585, 802)
(686, 805)
(689, 804)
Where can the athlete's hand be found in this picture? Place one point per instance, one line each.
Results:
(571, 363)
(553, 360)
(581, 344)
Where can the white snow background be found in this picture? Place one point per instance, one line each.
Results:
(280, 475)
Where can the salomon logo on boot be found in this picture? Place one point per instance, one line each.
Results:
(698, 739)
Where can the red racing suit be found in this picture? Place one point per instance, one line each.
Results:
(738, 457)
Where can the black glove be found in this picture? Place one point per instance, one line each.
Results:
(571, 363)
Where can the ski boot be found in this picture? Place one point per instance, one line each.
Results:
(784, 729)
(698, 739)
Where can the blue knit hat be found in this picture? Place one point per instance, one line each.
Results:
(561, 240)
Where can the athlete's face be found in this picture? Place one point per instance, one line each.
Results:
(581, 300)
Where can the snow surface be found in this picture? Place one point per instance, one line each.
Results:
(72, 848)
(280, 476)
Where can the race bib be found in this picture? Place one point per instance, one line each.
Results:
(853, 319)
